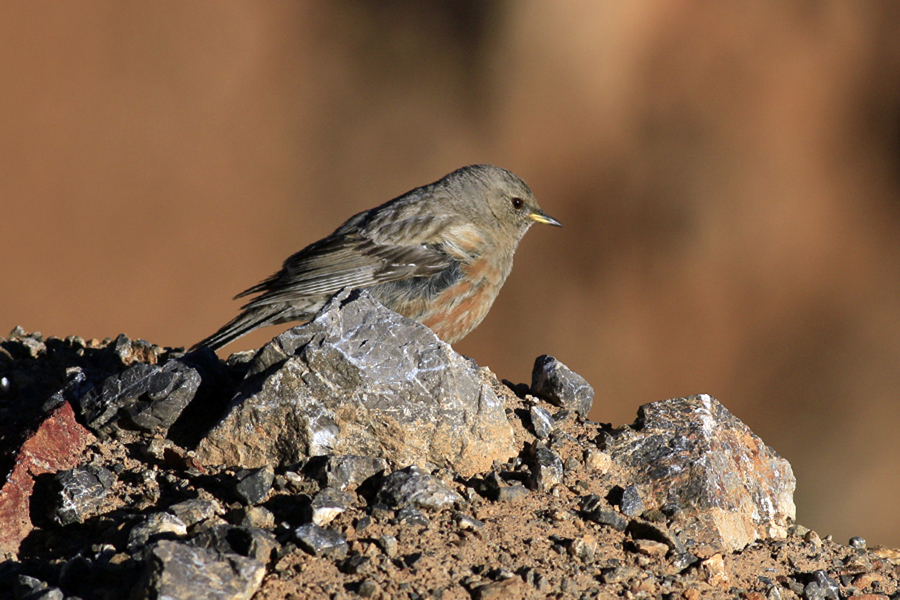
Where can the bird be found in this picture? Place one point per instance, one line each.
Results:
(438, 254)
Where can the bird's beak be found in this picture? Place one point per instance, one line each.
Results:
(542, 217)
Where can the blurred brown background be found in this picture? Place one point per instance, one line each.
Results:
(728, 175)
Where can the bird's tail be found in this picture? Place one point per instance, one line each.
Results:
(252, 318)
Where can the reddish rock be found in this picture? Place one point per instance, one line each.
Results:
(57, 444)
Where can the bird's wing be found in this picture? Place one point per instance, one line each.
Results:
(360, 256)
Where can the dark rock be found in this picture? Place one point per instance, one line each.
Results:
(251, 542)
(632, 505)
(31, 588)
(546, 469)
(656, 532)
(155, 526)
(180, 570)
(342, 472)
(328, 504)
(858, 543)
(355, 565)
(144, 396)
(255, 484)
(321, 542)
(412, 517)
(361, 380)
(556, 383)
(56, 444)
(828, 587)
(541, 422)
(194, 511)
(692, 459)
(594, 508)
(413, 487)
(80, 492)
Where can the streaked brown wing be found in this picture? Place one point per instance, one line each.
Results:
(354, 259)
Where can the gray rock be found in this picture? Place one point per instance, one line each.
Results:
(546, 469)
(254, 484)
(146, 397)
(829, 588)
(858, 542)
(179, 570)
(256, 516)
(694, 460)
(388, 545)
(594, 508)
(328, 504)
(511, 493)
(362, 380)
(155, 525)
(412, 517)
(413, 487)
(466, 522)
(321, 542)
(250, 542)
(557, 383)
(31, 588)
(632, 505)
(342, 472)
(191, 512)
(80, 492)
(541, 422)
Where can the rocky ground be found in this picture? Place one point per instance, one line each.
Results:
(358, 456)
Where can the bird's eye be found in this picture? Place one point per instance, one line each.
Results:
(517, 203)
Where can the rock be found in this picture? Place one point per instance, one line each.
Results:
(194, 511)
(645, 530)
(362, 380)
(224, 539)
(508, 588)
(56, 444)
(79, 493)
(388, 545)
(631, 505)
(714, 571)
(31, 588)
(254, 484)
(468, 523)
(342, 472)
(651, 547)
(828, 588)
(413, 487)
(144, 396)
(594, 508)
(736, 489)
(155, 525)
(546, 469)
(411, 517)
(558, 384)
(328, 504)
(541, 422)
(321, 542)
(256, 516)
(179, 570)
(511, 493)
(857, 542)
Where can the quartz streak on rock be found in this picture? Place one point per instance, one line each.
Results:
(360, 379)
(693, 458)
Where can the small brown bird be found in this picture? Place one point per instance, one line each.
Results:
(438, 254)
